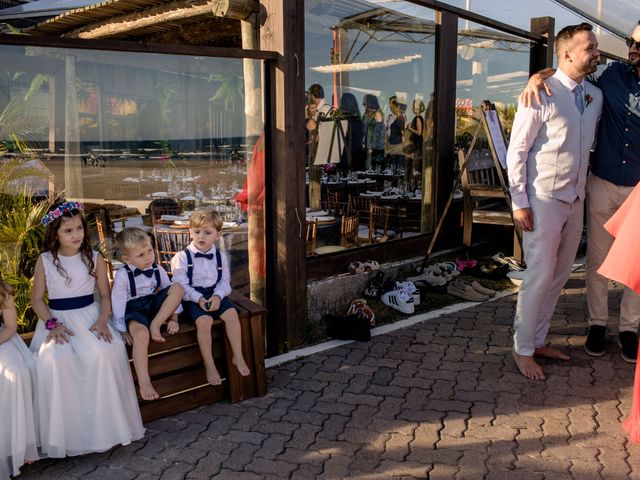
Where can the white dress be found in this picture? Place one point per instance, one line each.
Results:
(18, 439)
(86, 397)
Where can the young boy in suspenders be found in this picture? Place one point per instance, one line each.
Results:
(142, 300)
(203, 272)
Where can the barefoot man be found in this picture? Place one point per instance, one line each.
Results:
(547, 167)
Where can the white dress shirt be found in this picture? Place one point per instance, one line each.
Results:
(205, 273)
(121, 292)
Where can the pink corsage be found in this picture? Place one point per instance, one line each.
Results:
(588, 99)
(52, 323)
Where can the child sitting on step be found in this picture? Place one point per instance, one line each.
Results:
(142, 300)
(203, 272)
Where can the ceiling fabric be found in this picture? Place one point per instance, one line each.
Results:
(617, 16)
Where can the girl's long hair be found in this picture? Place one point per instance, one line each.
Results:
(5, 292)
(52, 244)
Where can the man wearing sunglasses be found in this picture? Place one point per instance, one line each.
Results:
(615, 170)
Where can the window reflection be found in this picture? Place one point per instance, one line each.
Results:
(369, 104)
(124, 132)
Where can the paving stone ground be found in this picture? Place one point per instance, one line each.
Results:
(439, 400)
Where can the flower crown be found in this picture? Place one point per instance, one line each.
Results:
(59, 211)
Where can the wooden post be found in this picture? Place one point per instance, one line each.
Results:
(541, 55)
(283, 32)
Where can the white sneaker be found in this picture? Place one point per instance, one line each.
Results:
(411, 289)
(400, 300)
(434, 276)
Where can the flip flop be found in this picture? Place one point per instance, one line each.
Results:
(371, 265)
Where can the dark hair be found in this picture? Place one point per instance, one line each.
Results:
(349, 104)
(568, 32)
(5, 292)
(52, 244)
(316, 90)
(371, 102)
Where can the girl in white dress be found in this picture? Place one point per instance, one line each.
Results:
(17, 432)
(86, 398)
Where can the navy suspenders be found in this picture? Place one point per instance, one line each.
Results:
(132, 279)
(190, 266)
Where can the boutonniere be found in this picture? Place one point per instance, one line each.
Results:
(588, 99)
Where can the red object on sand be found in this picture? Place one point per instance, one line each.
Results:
(632, 423)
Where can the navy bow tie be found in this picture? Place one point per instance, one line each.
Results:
(208, 256)
(147, 273)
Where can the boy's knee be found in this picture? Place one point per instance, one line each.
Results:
(230, 315)
(205, 321)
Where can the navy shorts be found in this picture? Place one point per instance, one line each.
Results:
(143, 309)
(192, 310)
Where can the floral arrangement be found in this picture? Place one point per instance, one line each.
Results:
(588, 99)
(59, 211)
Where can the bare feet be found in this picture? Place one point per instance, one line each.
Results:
(241, 365)
(154, 330)
(528, 367)
(213, 377)
(147, 392)
(548, 352)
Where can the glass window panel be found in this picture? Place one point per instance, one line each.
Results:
(369, 138)
(121, 130)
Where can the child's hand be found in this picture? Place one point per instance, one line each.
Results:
(204, 303)
(214, 303)
(173, 326)
(102, 331)
(126, 338)
(60, 335)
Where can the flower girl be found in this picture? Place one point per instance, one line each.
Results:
(86, 398)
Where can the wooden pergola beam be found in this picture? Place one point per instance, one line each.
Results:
(170, 12)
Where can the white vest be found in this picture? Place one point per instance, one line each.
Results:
(558, 159)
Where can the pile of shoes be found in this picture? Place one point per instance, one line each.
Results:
(501, 266)
(361, 267)
(435, 276)
(473, 292)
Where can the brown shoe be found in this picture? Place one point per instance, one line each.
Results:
(466, 292)
(483, 290)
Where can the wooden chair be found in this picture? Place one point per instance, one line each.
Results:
(312, 233)
(163, 206)
(349, 230)
(485, 200)
(168, 243)
(362, 207)
(105, 243)
(335, 209)
(377, 230)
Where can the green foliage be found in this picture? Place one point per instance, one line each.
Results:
(230, 92)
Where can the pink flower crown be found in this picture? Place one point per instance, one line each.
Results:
(59, 211)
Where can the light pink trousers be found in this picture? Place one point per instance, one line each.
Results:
(603, 199)
(549, 251)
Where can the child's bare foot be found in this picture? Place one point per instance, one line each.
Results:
(147, 392)
(528, 367)
(548, 352)
(241, 365)
(213, 377)
(154, 330)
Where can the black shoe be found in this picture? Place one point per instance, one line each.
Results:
(628, 342)
(595, 343)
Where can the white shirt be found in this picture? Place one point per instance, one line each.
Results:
(121, 293)
(205, 273)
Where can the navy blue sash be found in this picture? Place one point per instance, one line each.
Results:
(190, 267)
(72, 303)
(132, 279)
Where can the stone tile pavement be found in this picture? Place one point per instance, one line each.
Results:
(439, 400)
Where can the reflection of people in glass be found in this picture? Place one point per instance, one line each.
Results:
(413, 159)
(353, 156)
(316, 97)
(373, 131)
(396, 122)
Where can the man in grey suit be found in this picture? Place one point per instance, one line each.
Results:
(547, 166)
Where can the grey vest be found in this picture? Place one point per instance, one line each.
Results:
(558, 159)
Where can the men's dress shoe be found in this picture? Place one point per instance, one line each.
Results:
(628, 342)
(466, 292)
(482, 289)
(596, 341)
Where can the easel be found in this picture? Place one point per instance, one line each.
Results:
(328, 149)
(486, 106)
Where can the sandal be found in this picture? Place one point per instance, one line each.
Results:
(356, 267)
(371, 265)
(463, 264)
(372, 290)
(449, 267)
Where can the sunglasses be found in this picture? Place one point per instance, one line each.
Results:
(631, 42)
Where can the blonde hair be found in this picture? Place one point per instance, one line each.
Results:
(129, 238)
(419, 104)
(6, 292)
(199, 218)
